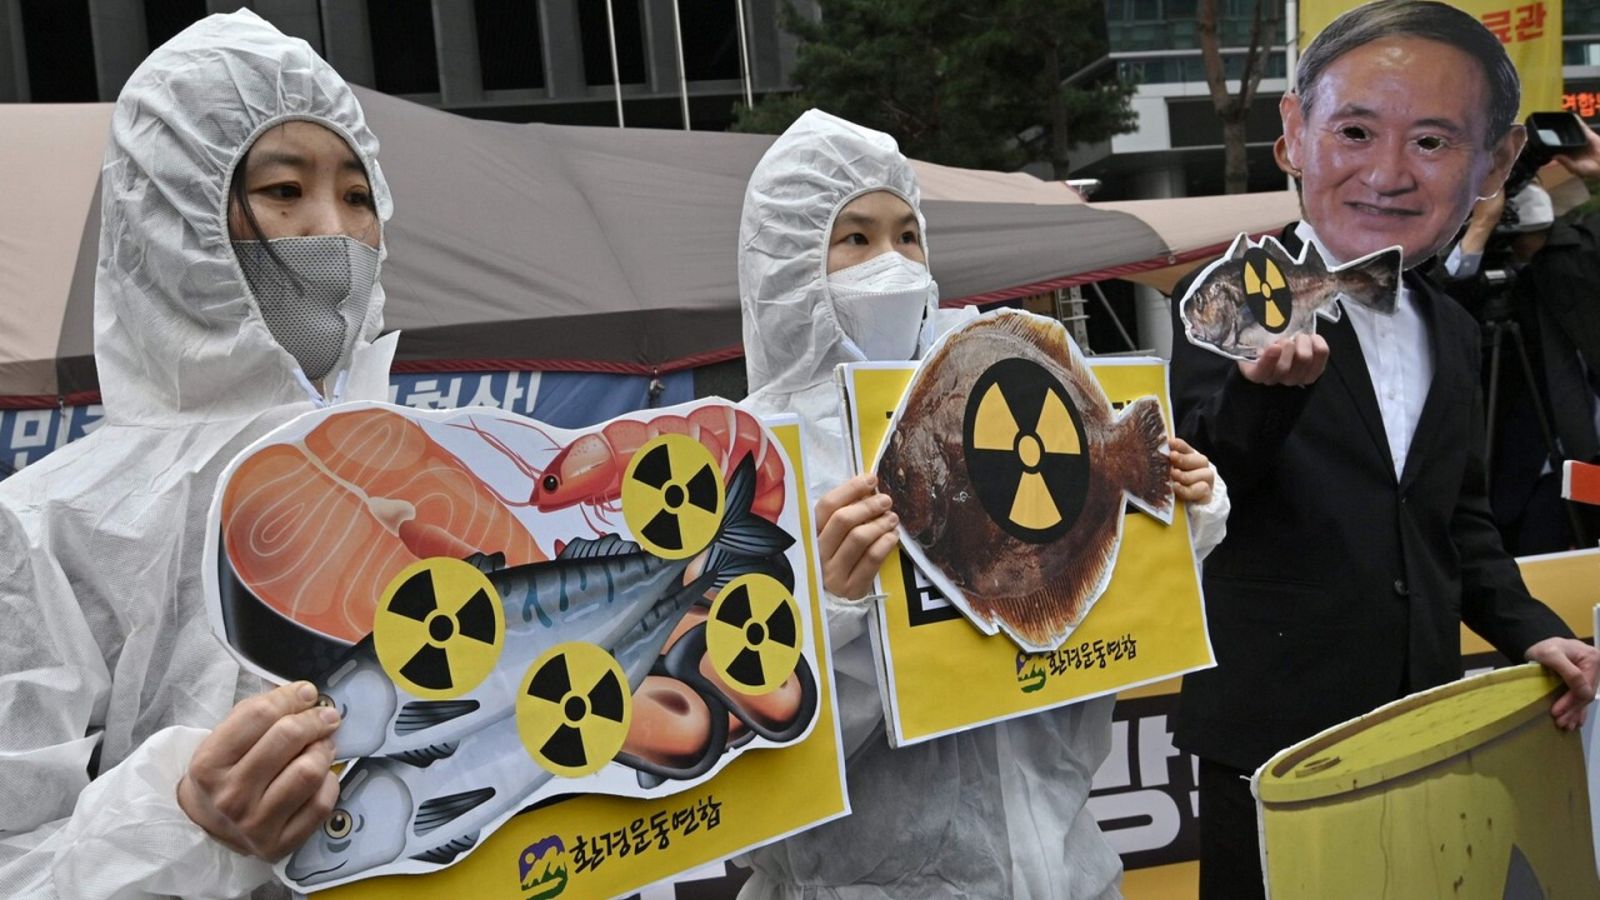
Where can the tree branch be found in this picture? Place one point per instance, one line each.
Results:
(1211, 55)
(1255, 61)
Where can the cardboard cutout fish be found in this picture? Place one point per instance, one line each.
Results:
(1009, 470)
(1257, 294)
(636, 658)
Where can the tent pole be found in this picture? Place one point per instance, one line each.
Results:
(744, 56)
(683, 80)
(616, 78)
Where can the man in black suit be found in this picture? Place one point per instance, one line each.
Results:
(1360, 536)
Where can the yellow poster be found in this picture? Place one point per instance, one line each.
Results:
(939, 674)
(1530, 31)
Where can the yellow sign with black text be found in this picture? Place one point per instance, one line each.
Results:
(939, 674)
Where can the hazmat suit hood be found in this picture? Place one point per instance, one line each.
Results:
(792, 337)
(178, 333)
(109, 673)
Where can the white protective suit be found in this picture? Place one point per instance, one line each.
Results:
(996, 812)
(108, 667)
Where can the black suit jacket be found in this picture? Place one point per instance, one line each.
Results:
(1339, 586)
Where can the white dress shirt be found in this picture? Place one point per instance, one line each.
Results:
(1399, 359)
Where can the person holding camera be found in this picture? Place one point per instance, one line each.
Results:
(1526, 274)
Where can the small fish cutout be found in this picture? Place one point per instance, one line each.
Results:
(1010, 470)
(1257, 294)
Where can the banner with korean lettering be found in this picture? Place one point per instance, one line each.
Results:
(562, 399)
(1529, 29)
(1582, 96)
(941, 675)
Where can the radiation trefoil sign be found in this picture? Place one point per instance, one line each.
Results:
(1088, 597)
(583, 652)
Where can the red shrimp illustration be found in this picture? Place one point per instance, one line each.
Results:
(588, 471)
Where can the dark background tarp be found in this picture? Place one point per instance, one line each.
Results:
(580, 249)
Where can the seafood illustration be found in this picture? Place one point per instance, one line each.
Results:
(391, 810)
(1257, 293)
(318, 527)
(606, 591)
(678, 728)
(1009, 468)
(372, 550)
(588, 471)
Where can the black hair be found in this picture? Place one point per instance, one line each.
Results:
(1423, 19)
(239, 196)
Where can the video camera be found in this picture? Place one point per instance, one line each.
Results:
(1549, 134)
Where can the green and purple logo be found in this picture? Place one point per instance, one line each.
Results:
(542, 868)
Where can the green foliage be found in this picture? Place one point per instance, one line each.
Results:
(954, 82)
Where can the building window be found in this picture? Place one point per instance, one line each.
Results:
(404, 58)
(597, 47)
(509, 49)
(710, 39)
(60, 48)
(165, 18)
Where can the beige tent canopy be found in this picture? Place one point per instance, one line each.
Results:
(562, 248)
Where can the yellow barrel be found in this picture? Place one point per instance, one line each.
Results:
(1464, 791)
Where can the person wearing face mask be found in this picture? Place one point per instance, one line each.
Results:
(241, 240)
(833, 269)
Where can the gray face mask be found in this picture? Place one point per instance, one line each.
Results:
(314, 296)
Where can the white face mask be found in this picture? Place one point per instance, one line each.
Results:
(314, 297)
(880, 304)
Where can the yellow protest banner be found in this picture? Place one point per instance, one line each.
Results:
(1529, 29)
(939, 674)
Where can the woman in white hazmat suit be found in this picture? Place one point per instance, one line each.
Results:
(136, 758)
(831, 253)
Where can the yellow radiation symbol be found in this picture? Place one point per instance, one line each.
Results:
(1265, 290)
(439, 628)
(672, 496)
(574, 709)
(1025, 451)
(753, 634)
